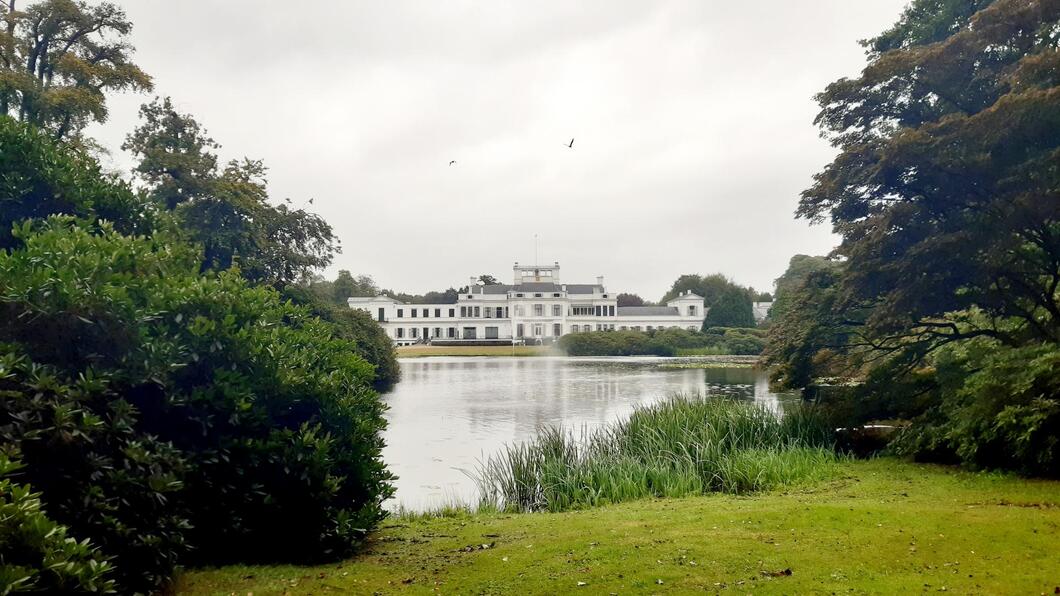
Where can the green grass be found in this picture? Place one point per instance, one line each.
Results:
(880, 527)
(685, 445)
(419, 351)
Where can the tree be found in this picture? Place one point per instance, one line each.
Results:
(732, 308)
(227, 211)
(488, 280)
(60, 58)
(941, 303)
(629, 300)
(946, 192)
(346, 286)
(177, 159)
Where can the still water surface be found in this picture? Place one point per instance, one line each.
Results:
(449, 413)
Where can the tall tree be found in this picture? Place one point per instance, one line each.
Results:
(732, 308)
(59, 58)
(227, 211)
(946, 190)
(177, 159)
(488, 280)
(629, 300)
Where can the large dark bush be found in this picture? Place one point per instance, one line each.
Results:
(172, 416)
(992, 407)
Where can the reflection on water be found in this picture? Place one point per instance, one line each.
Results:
(448, 413)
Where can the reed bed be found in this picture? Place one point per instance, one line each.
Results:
(683, 446)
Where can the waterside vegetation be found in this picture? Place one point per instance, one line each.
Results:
(683, 446)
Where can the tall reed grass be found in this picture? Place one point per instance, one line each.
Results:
(685, 445)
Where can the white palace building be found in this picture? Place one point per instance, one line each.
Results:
(535, 308)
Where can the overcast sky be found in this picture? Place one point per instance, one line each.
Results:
(692, 123)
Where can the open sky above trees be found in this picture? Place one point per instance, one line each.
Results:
(361, 107)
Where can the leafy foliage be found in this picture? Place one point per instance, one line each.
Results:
(941, 303)
(731, 308)
(38, 179)
(354, 325)
(629, 300)
(662, 342)
(36, 554)
(157, 409)
(730, 302)
(226, 210)
(59, 58)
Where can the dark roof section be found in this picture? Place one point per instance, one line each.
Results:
(648, 311)
(543, 287)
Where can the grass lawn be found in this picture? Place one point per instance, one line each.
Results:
(417, 351)
(884, 527)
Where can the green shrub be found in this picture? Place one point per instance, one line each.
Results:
(36, 554)
(995, 408)
(160, 412)
(664, 342)
(38, 179)
(373, 344)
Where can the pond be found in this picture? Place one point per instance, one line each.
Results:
(449, 413)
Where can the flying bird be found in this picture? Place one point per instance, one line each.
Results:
(451, 162)
(310, 201)
(571, 145)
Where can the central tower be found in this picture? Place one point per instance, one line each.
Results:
(536, 273)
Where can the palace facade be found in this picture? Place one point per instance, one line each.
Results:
(536, 308)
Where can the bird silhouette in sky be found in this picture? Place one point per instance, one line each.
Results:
(310, 201)
(571, 145)
(452, 161)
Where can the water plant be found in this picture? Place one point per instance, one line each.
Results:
(688, 444)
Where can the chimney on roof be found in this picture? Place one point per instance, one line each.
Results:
(599, 280)
(471, 286)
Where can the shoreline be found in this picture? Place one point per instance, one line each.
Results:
(549, 351)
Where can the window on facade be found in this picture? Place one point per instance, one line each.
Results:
(539, 310)
(452, 312)
(426, 312)
(477, 312)
(469, 333)
(412, 313)
(557, 330)
(598, 311)
(611, 310)
(413, 332)
(492, 332)
(452, 332)
(692, 311)
(557, 310)
(581, 311)
(437, 313)
(488, 312)
(519, 310)
(519, 328)
(518, 295)
(539, 330)
(537, 295)
(401, 312)
(399, 332)
(463, 311)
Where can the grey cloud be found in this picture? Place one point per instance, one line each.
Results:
(692, 119)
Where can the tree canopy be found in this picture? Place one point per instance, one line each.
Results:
(59, 59)
(941, 302)
(228, 210)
